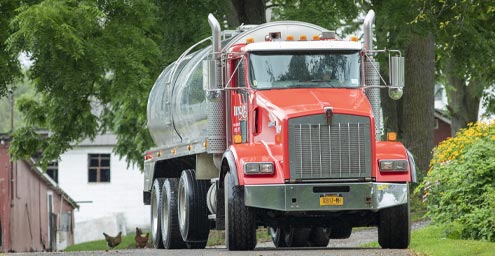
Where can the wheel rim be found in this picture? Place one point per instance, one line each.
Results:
(165, 215)
(288, 236)
(273, 234)
(154, 214)
(182, 206)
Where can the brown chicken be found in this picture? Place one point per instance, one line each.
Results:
(113, 241)
(141, 239)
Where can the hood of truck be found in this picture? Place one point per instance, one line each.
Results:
(288, 103)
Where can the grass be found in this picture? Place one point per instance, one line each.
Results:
(431, 241)
(216, 238)
(101, 245)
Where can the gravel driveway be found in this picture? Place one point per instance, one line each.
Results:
(348, 246)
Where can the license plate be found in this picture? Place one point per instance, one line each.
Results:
(331, 200)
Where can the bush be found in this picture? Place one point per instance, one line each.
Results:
(459, 189)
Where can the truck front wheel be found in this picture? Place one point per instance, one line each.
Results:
(156, 215)
(394, 228)
(297, 237)
(192, 210)
(319, 237)
(341, 231)
(240, 224)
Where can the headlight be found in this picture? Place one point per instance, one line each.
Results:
(258, 168)
(393, 165)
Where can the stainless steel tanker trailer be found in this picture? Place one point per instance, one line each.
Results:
(276, 126)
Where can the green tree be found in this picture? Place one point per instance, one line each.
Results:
(466, 44)
(9, 65)
(86, 53)
(328, 14)
(397, 27)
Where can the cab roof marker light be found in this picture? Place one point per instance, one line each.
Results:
(249, 40)
(290, 38)
(316, 37)
(303, 38)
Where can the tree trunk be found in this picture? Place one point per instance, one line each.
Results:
(250, 11)
(463, 99)
(418, 102)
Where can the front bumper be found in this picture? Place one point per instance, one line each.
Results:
(306, 197)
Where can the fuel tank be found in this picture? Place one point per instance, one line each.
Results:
(177, 106)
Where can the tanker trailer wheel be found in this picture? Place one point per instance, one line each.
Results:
(156, 213)
(319, 237)
(278, 236)
(297, 237)
(240, 222)
(342, 231)
(192, 210)
(394, 228)
(170, 223)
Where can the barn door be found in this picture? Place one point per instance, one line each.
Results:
(52, 224)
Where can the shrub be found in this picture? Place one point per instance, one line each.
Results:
(459, 189)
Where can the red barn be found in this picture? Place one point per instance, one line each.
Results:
(442, 127)
(35, 214)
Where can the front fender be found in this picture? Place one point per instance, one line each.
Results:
(395, 151)
(256, 152)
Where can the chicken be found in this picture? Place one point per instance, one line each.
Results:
(113, 241)
(141, 240)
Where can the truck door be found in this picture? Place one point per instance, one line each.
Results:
(239, 103)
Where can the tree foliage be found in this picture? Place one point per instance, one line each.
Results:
(460, 186)
(10, 69)
(328, 14)
(397, 27)
(86, 53)
(466, 44)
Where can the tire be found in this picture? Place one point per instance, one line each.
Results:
(319, 237)
(394, 230)
(192, 211)
(278, 237)
(340, 232)
(156, 195)
(171, 236)
(240, 222)
(297, 237)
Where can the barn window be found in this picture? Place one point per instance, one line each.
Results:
(99, 168)
(52, 170)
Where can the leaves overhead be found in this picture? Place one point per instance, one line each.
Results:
(87, 54)
(9, 64)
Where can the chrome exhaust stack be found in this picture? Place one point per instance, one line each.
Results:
(214, 93)
(372, 75)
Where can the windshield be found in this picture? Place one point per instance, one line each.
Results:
(271, 70)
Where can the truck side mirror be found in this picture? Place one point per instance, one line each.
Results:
(396, 77)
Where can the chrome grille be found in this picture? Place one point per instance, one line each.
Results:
(319, 150)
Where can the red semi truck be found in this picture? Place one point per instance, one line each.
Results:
(276, 126)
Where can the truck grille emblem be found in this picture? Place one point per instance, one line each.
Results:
(329, 114)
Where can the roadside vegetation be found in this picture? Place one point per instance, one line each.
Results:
(459, 190)
(101, 245)
(433, 241)
(215, 238)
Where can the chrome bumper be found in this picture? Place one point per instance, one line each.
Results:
(306, 197)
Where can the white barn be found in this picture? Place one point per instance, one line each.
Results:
(109, 194)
